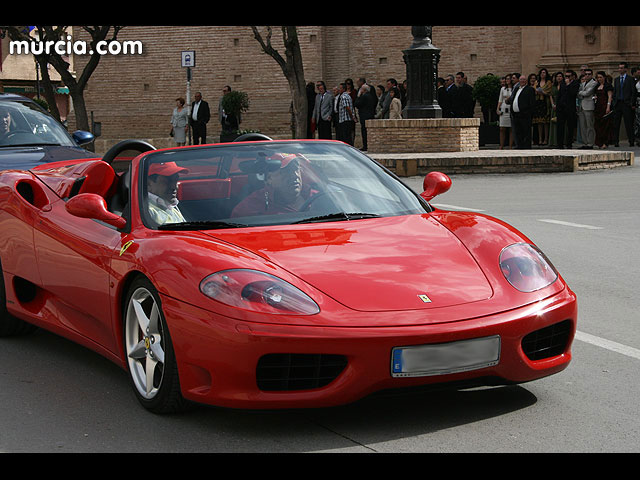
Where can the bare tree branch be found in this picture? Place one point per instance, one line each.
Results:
(268, 48)
(293, 70)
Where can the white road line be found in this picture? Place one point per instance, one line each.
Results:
(454, 207)
(569, 224)
(609, 345)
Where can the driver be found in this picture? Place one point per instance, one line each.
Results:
(162, 192)
(5, 122)
(283, 191)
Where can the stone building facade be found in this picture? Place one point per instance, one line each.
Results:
(133, 95)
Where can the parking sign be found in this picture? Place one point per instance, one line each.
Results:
(189, 58)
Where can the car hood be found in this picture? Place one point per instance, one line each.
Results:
(383, 264)
(27, 157)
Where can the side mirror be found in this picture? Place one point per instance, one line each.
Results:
(435, 183)
(92, 205)
(82, 138)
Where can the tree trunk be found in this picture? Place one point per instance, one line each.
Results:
(49, 94)
(300, 105)
(293, 71)
(82, 119)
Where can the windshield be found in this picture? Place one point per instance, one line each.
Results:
(269, 183)
(24, 123)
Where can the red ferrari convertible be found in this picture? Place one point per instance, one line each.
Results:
(274, 274)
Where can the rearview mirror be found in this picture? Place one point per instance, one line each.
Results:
(435, 183)
(91, 205)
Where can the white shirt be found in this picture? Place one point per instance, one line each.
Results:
(516, 107)
(194, 112)
(164, 212)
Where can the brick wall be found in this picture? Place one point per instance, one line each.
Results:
(133, 96)
(423, 135)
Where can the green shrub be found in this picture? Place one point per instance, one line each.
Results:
(486, 91)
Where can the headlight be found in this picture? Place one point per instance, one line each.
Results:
(257, 291)
(526, 267)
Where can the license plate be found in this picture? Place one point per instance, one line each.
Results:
(445, 358)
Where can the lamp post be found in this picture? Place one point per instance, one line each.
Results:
(421, 59)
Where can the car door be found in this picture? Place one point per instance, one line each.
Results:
(74, 259)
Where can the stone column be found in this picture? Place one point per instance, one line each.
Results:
(554, 57)
(609, 37)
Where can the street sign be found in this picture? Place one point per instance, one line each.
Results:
(189, 58)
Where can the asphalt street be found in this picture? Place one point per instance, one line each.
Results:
(60, 397)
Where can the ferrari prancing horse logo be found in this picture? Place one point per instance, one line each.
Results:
(125, 246)
(424, 298)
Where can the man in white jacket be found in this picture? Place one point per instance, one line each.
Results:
(587, 104)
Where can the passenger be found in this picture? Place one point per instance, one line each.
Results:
(162, 186)
(283, 191)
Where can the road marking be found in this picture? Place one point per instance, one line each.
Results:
(569, 224)
(609, 345)
(454, 207)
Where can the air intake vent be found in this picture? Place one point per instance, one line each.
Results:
(547, 342)
(294, 371)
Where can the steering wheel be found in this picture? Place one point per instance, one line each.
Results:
(252, 136)
(15, 133)
(319, 201)
(136, 145)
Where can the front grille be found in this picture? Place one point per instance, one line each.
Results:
(547, 342)
(296, 371)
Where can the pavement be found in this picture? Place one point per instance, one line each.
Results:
(490, 159)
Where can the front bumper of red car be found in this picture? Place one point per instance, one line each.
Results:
(239, 364)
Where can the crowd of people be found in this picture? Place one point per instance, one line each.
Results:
(339, 109)
(555, 110)
(541, 109)
(537, 109)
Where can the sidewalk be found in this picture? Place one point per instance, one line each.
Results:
(490, 159)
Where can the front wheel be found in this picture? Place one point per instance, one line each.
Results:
(150, 357)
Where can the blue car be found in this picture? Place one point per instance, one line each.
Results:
(29, 136)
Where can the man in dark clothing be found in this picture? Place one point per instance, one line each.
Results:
(624, 101)
(445, 96)
(200, 116)
(566, 110)
(522, 102)
(365, 102)
(464, 103)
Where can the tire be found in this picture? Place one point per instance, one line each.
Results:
(151, 363)
(10, 325)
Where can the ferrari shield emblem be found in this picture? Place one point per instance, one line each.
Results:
(125, 246)
(424, 298)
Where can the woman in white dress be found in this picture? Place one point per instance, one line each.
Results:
(504, 111)
(180, 122)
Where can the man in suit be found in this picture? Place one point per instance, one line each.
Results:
(445, 96)
(522, 102)
(200, 116)
(221, 116)
(465, 104)
(566, 109)
(624, 102)
(322, 111)
(587, 107)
